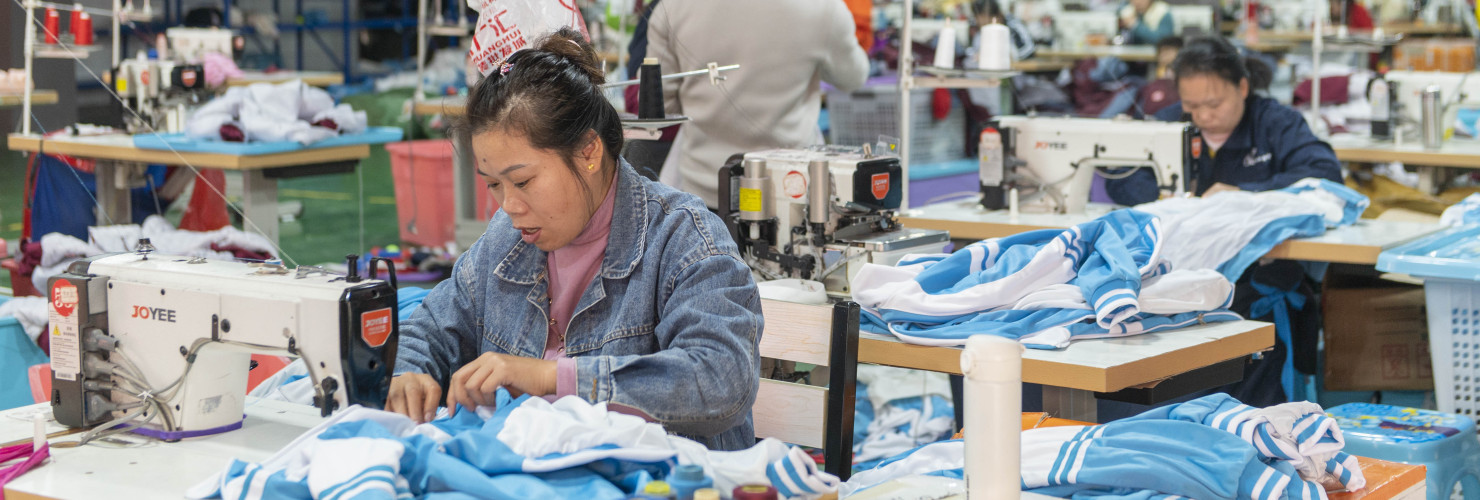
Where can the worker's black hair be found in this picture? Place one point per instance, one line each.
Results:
(1213, 55)
(1169, 42)
(550, 93)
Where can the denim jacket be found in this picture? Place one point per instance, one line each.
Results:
(670, 325)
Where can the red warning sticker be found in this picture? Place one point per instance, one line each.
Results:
(64, 298)
(375, 327)
(880, 186)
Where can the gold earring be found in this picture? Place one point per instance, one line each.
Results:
(591, 166)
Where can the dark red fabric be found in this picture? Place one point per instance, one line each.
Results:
(232, 133)
(1333, 91)
(1090, 98)
(1157, 95)
(30, 258)
(241, 253)
(940, 104)
(327, 123)
(1357, 18)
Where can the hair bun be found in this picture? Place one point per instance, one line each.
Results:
(572, 45)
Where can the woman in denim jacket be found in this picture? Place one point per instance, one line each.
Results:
(591, 280)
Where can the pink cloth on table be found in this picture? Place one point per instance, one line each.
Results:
(218, 68)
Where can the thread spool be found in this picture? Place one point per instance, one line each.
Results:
(996, 48)
(76, 17)
(650, 89)
(945, 47)
(53, 25)
(754, 492)
(82, 31)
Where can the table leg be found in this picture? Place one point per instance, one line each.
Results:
(1073, 404)
(1427, 179)
(466, 228)
(259, 204)
(114, 203)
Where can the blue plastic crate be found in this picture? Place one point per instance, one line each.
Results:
(17, 354)
(1449, 262)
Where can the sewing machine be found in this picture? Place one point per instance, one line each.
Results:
(1075, 29)
(1053, 159)
(160, 91)
(1456, 90)
(810, 213)
(172, 336)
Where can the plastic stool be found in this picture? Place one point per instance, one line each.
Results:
(1445, 444)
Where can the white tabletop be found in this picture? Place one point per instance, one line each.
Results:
(1359, 243)
(1454, 153)
(157, 469)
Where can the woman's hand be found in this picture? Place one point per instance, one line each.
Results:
(414, 395)
(1219, 187)
(475, 383)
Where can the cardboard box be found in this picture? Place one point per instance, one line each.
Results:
(1377, 338)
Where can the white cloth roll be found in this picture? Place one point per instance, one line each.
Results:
(945, 48)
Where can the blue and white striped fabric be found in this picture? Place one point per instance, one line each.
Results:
(1209, 448)
(370, 454)
(1298, 434)
(1348, 203)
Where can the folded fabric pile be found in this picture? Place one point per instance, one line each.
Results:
(265, 112)
(1466, 212)
(522, 448)
(1221, 449)
(1159, 266)
(897, 410)
(57, 251)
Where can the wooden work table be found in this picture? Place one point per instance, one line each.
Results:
(1453, 153)
(38, 97)
(312, 78)
(1129, 53)
(259, 190)
(1356, 244)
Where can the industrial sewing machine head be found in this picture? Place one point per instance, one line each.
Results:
(161, 90)
(1052, 160)
(170, 338)
(810, 213)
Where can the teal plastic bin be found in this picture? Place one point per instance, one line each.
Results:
(17, 354)
(1449, 263)
(1444, 443)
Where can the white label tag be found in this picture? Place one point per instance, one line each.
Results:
(66, 351)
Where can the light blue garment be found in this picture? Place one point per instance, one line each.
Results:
(474, 463)
(670, 326)
(1353, 202)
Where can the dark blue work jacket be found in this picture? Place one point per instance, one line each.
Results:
(1271, 149)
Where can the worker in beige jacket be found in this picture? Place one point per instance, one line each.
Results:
(784, 49)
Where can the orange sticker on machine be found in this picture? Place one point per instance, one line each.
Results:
(375, 327)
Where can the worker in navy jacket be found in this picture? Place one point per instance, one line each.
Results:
(1246, 142)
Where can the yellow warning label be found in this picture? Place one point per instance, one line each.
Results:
(55, 331)
(121, 84)
(750, 200)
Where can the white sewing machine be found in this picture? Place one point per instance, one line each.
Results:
(182, 329)
(162, 90)
(1074, 29)
(1456, 90)
(809, 213)
(1053, 160)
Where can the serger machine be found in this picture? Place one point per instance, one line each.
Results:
(812, 213)
(1052, 161)
(169, 338)
(161, 91)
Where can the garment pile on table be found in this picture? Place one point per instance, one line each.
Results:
(57, 251)
(1158, 266)
(1209, 448)
(265, 112)
(521, 448)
